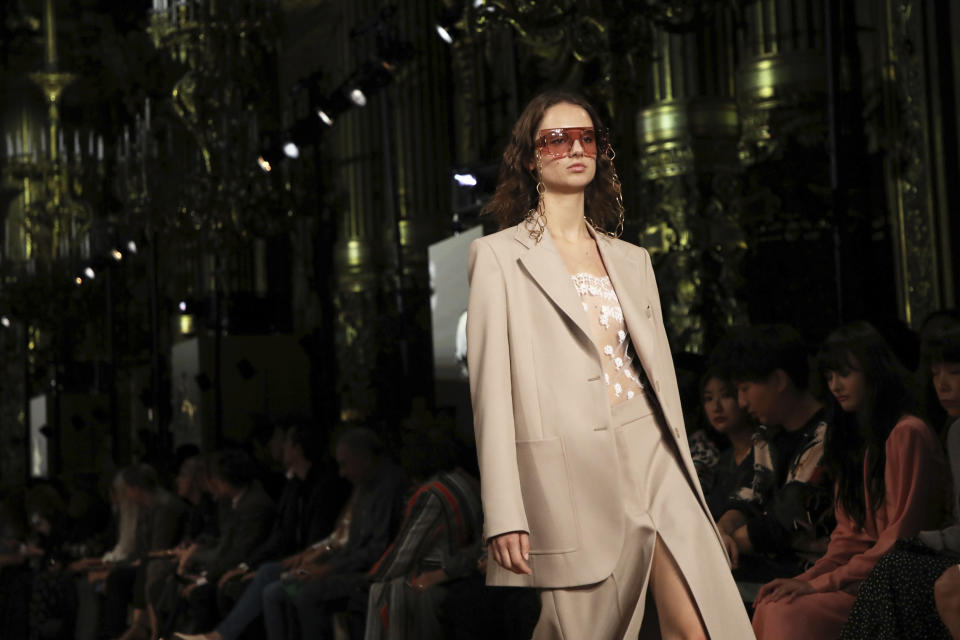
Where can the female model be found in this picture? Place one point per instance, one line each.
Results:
(589, 491)
(889, 471)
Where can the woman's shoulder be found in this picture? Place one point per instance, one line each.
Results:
(498, 241)
(629, 248)
(910, 429)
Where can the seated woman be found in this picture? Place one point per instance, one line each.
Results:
(888, 468)
(734, 466)
(897, 601)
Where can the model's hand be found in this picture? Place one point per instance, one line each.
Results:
(731, 546)
(511, 551)
(788, 588)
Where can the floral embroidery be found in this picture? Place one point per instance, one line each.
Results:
(600, 302)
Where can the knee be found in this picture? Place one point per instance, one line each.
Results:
(273, 594)
(946, 589)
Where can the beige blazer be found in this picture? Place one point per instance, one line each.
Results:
(545, 442)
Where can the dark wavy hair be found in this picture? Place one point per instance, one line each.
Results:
(516, 191)
(939, 343)
(851, 437)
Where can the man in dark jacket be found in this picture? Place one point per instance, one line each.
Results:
(311, 500)
(246, 520)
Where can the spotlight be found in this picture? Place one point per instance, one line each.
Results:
(78, 281)
(358, 97)
(445, 34)
(116, 255)
(90, 273)
(182, 306)
(132, 246)
(326, 118)
(264, 164)
(446, 23)
(291, 150)
(5, 321)
(465, 179)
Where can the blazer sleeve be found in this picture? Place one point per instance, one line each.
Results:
(911, 475)
(488, 361)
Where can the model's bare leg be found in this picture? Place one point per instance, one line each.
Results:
(946, 592)
(677, 612)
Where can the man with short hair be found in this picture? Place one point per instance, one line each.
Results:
(246, 521)
(780, 518)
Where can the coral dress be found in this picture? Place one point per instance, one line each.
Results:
(913, 475)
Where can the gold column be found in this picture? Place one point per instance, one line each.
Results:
(915, 166)
(781, 81)
(687, 133)
(355, 146)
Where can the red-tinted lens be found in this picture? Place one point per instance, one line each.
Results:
(559, 142)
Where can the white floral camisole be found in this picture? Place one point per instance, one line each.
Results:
(602, 306)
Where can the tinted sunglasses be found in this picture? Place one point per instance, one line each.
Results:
(559, 142)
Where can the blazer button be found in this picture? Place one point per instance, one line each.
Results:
(649, 312)
(657, 385)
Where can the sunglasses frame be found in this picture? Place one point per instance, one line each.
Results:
(601, 135)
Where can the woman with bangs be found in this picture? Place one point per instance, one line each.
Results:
(889, 470)
(914, 591)
(734, 467)
(589, 490)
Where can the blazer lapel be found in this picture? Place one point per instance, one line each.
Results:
(546, 267)
(624, 275)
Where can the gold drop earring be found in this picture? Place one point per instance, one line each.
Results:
(535, 220)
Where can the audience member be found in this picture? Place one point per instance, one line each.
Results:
(307, 511)
(368, 515)
(160, 522)
(439, 541)
(790, 484)
(322, 582)
(92, 572)
(245, 521)
(897, 601)
(888, 466)
(734, 466)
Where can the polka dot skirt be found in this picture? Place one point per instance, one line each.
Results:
(896, 602)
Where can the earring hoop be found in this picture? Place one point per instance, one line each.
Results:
(535, 220)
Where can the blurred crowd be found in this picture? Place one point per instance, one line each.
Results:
(827, 470)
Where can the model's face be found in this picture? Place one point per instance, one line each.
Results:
(567, 171)
(720, 405)
(759, 399)
(848, 386)
(946, 382)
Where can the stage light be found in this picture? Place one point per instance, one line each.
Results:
(5, 321)
(182, 306)
(465, 179)
(90, 273)
(116, 255)
(444, 34)
(291, 150)
(325, 118)
(358, 97)
(132, 246)
(446, 24)
(78, 281)
(264, 164)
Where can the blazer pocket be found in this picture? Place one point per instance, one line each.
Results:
(547, 498)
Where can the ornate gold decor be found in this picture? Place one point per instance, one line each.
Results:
(909, 163)
(686, 135)
(223, 44)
